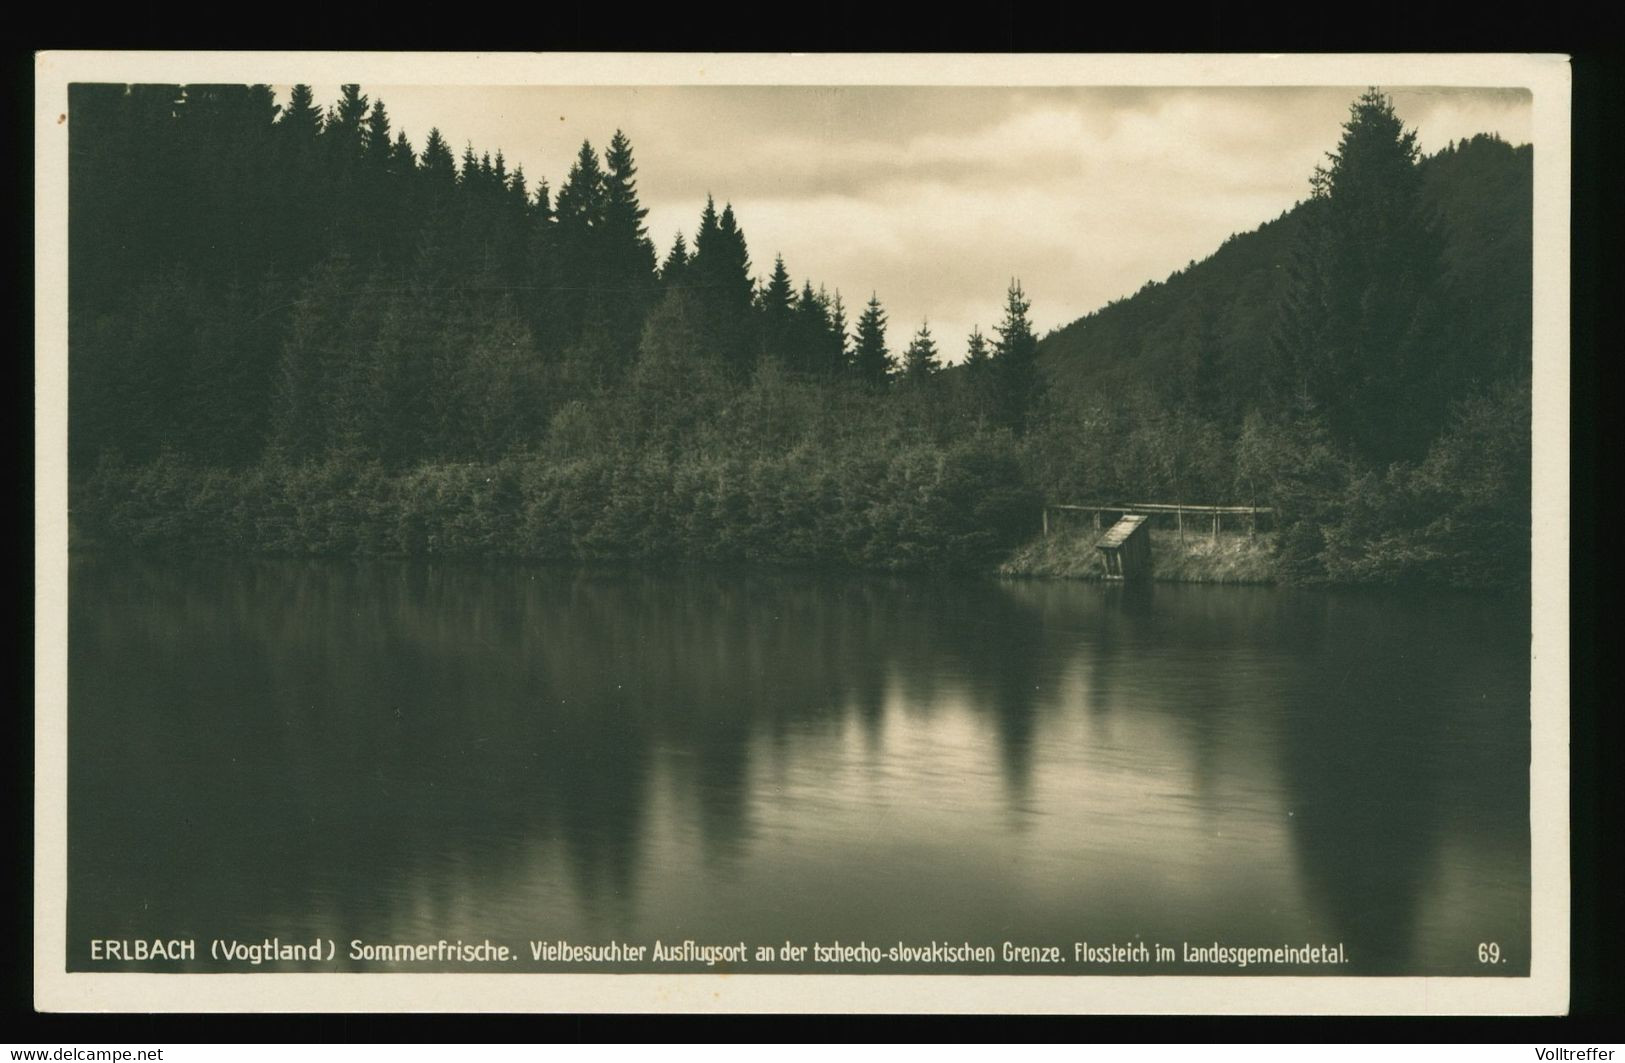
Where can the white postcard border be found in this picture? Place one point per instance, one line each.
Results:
(1545, 991)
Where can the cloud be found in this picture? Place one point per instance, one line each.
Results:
(935, 198)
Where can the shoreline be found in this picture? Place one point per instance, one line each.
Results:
(916, 512)
(1230, 559)
(1004, 573)
(1059, 559)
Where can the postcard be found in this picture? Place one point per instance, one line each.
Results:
(802, 533)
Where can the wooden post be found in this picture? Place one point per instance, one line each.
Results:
(1046, 522)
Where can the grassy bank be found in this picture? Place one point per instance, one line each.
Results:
(1199, 559)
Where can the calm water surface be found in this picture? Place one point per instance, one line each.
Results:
(410, 752)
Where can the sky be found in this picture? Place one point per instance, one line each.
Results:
(934, 198)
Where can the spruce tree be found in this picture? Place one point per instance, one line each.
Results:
(403, 161)
(377, 146)
(872, 363)
(536, 300)
(512, 233)
(810, 333)
(735, 266)
(343, 143)
(580, 202)
(707, 234)
(704, 272)
(1360, 322)
(721, 270)
(375, 194)
(920, 361)
(778, 304)
(434, 205)
(301, 206)
(628, 254)
(578, 214)
(674, 271)
(1015, 362)
(977, 384)
(977, 358)
(631, 253)
(439, 167)
(838, 356)
(301, 119)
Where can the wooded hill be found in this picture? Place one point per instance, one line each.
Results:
(293, 331)
(1215, 319)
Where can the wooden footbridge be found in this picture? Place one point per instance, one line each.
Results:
(1125, 547)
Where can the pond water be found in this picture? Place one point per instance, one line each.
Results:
(408, 753)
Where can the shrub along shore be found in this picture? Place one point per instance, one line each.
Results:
(960, 508)
(967, 507)
(963, 511)
(921, 511)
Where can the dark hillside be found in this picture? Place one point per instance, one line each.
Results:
(1481, 191)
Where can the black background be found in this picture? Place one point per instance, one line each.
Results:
(1596, 282)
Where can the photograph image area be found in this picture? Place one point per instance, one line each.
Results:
(846, 529)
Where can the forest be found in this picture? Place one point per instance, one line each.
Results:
(291, 331)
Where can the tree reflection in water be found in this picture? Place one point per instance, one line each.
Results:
(377, 749)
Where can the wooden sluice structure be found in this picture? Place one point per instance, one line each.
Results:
(1125, 548)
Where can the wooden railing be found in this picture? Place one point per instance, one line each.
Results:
(1216, 514)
